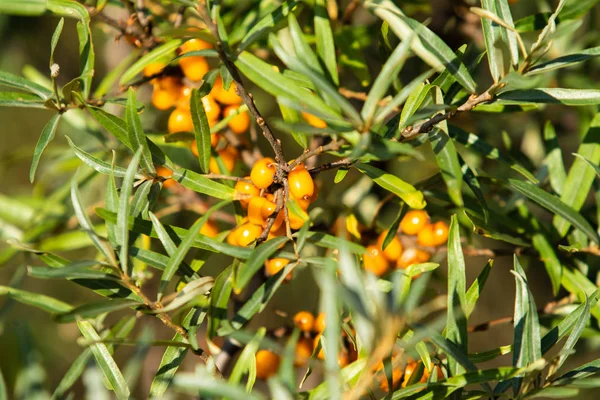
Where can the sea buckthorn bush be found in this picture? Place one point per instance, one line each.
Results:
(301, 199)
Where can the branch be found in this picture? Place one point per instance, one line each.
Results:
(331, 146)
(468, 105)
(202, 9)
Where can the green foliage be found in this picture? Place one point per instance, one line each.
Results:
(122, 210)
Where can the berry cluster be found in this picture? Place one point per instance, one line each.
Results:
(416, 222)
(175, 91)
(311, 327)
(410, 372)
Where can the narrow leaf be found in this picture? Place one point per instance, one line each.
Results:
(45, 138)
(201, 130)
(135, 132)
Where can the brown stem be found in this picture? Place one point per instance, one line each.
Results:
(334, 145)
(341, 163)
(347, 16)
(241, 90)
(350, 94)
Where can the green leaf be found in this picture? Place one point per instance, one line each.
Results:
(578, 328)
(97, 164)
(219, 299)
(581, 175)
(568, 97)
(527, 343)
(389, 72)
(456, 317)
(135, 132)
(503, 11)
(575, 9)
(256, 260)
(37, 300)
(177, 257)
(201, 130)
(267, 24)
(554, 161)
(205, 385)
(200, 184)
(45, 138)
(55, 37)
(320, 82)
(565, 61)
(548, 255)
(76, 270)
(113, 75)
(476, 288)
(302, 48)
(113, 124)
(591, 164)
(156, 54)
(21, 83)
(105, 361)
(410, 195)
(122, 231)
(492, 33)
(246, 358)
(278, 85)
(473, 142)
(555, 205)
(85, 223)
(92, 310)
(427, 45)
(446, 158)
(413, 103)
(20, 99)
(325, 43)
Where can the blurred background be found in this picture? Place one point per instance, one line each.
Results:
(35, 349)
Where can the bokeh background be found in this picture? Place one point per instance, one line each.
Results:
(34, 348)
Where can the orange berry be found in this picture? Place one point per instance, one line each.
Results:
(410, 369)
(238, 124)
(163, 99)
(255, 210)
(319, 325)
(304, 320)
(214, 138)
(412, 256)
(211, 108)
(180, 120)
(374, 261)
(209, 229)
(279, 219)
(248, 233)
(396, 377)
(153, 68)
(233, 236)
(228, 155)
(274, 265)
(314, 120)
(433, 234)
(268, 208)
(296, 221)
(343, 358)
(301, 183)
(414, 221)
(193, 45)
(273, 233)
(165, 172)
(170, 83)
(184, 97)
(263, 172)
(393, 251)
(247, 188)
(267, 364)
(223, 96)
(304, 349)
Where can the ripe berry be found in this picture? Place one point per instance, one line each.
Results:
(263, 173)
(184, 97)
(268, 208)
(301, 183)
(194, 67)
(223, 96)
(343, 358)
(412, 256)
(255, 210)
(211, 108)
(228, 155)
(247, 188)
(414, 221)
(267, 364)
(319, 325)
(304, 320)
(170, 83)
(316, 341)
(374, 261)
(274, 265)
(433, 235)
(393, 251)
(194, 44)
(314, 120)
(248, 233)
(180, 120)
(209, 229)
(238, 124)
(396, 377)
(153, 68)
(296, 221)
(165, 172)
(163, 99)
(304, 349)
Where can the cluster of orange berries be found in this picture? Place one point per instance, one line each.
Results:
(311, 327)
(402, 376)
(416, 222)
(261, 205)
(172, 91)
